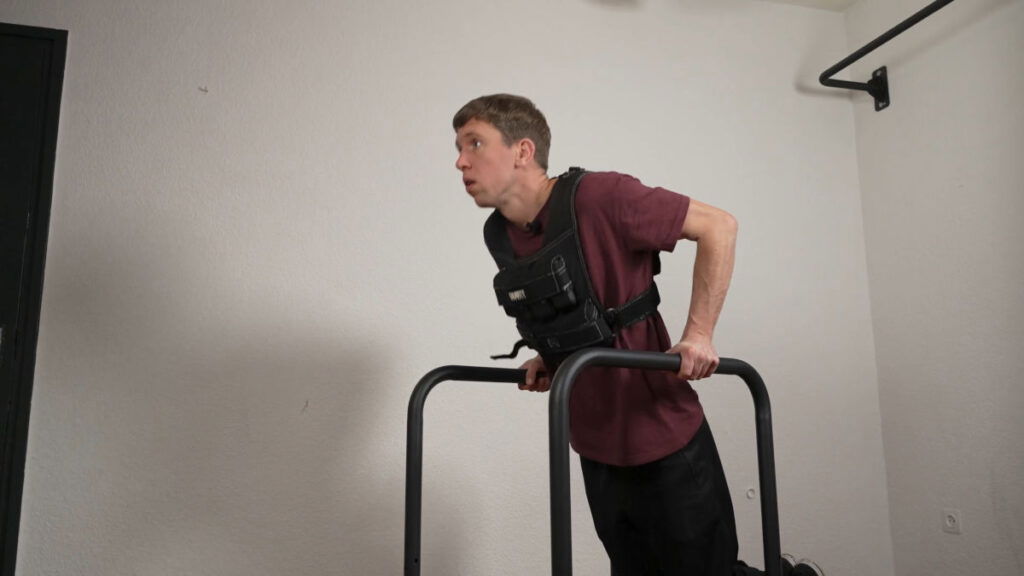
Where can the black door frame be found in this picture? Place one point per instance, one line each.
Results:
(26, 333)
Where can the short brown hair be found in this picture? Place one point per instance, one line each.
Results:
(514, 116)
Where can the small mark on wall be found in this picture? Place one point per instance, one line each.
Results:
(204, 89)
(303, 411)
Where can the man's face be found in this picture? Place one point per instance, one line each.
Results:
(486, 163)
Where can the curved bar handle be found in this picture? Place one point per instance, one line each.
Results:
(558, 424)
(414, 446)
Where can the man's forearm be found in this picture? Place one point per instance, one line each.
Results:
(712, 272)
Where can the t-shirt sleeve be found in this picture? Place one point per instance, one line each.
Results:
(644, 218)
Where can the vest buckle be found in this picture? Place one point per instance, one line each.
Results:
(611, 316)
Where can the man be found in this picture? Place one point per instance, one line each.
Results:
(653, 478)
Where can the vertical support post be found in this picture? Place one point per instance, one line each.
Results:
(414, 446)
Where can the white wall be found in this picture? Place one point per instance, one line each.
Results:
(259, 244)
(942, 180)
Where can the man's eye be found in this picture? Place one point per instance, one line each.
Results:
(476, 144)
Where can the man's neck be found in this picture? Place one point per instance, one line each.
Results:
(524, 206)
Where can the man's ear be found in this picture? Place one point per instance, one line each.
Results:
(525, 149)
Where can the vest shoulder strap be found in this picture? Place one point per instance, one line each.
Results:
(562, 214)
(562, 210)
(498, 243)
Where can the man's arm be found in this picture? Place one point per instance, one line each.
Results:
(714, 231)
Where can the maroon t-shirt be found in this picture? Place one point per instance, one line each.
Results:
(621, 416)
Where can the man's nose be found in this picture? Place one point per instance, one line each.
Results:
(461, 163)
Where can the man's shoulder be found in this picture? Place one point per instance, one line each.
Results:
(605, 178)
(601, 194)
(595, 186)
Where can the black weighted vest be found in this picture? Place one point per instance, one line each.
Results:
(549, 293)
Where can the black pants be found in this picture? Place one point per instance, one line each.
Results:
(670, 517)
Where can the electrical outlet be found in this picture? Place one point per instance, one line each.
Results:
(952, 521)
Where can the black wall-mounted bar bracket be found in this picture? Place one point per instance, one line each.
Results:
(878, 86)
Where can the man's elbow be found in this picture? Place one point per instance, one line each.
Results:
(725, 226)
(729, 224)
(705, 221)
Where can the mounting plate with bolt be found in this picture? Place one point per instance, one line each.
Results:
(951, 523)
(878, 87)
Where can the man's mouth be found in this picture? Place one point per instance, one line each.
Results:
(467, 182)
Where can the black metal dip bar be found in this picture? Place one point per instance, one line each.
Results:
(558, 419)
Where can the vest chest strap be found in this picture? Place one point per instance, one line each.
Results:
(593, 333)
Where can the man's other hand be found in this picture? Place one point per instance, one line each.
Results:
(537, 379)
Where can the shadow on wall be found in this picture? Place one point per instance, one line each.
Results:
(619, 4)
(690, 6)
(217, 434)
